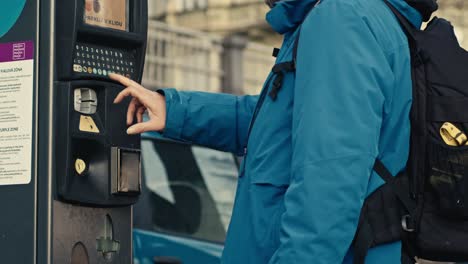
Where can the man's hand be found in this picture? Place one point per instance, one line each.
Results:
(142, 100)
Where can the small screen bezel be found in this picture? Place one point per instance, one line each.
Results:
(128, 18)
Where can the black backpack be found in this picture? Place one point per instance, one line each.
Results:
(426, 206)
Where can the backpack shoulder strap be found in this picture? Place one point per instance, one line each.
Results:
(289, 66)
(370, 234)
(280, 68)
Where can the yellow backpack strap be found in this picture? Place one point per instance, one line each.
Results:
(452, 136)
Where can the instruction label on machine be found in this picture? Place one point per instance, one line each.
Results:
(16, 112)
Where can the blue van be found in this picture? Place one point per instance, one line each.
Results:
(186, 202)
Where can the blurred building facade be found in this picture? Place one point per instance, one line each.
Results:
(189, 59)
(209, 45)
(225, 45)
(222, 17)
(246, 17)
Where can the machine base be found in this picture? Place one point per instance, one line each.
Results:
(87, 235)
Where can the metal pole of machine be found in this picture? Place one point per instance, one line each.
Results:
(45, 153)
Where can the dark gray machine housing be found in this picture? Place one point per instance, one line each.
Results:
(110, 152)
(97, 171)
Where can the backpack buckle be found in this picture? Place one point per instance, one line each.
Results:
(407, 223)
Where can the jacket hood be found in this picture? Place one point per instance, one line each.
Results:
(286, 15)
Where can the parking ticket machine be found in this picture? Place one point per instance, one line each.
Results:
(97, 164)
(69, 173)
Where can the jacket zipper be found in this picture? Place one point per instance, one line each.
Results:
(260, 102)
(258, 107)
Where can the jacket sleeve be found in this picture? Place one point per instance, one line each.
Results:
(338, 109)
(218, 121)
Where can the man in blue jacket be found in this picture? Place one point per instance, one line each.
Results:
(309, 152)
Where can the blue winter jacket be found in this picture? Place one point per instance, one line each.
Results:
(308, 160)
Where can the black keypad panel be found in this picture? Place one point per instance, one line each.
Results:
(100, 61)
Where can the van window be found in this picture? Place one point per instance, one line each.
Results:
(187, 190)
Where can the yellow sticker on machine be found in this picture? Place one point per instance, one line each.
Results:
(80, 166)
(87, 124)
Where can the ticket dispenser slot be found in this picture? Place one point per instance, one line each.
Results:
(125, 171)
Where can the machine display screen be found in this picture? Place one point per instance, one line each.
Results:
(111, 14)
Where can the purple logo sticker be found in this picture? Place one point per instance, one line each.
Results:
(16, 51)
(19, 51)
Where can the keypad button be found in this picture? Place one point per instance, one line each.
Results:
(102, 61)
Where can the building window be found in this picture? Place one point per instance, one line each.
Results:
(190, 5)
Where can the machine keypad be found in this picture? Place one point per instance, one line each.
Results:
(100, 61)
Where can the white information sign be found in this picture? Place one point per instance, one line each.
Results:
(16, 112)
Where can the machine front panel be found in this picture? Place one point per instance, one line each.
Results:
(97, 164)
